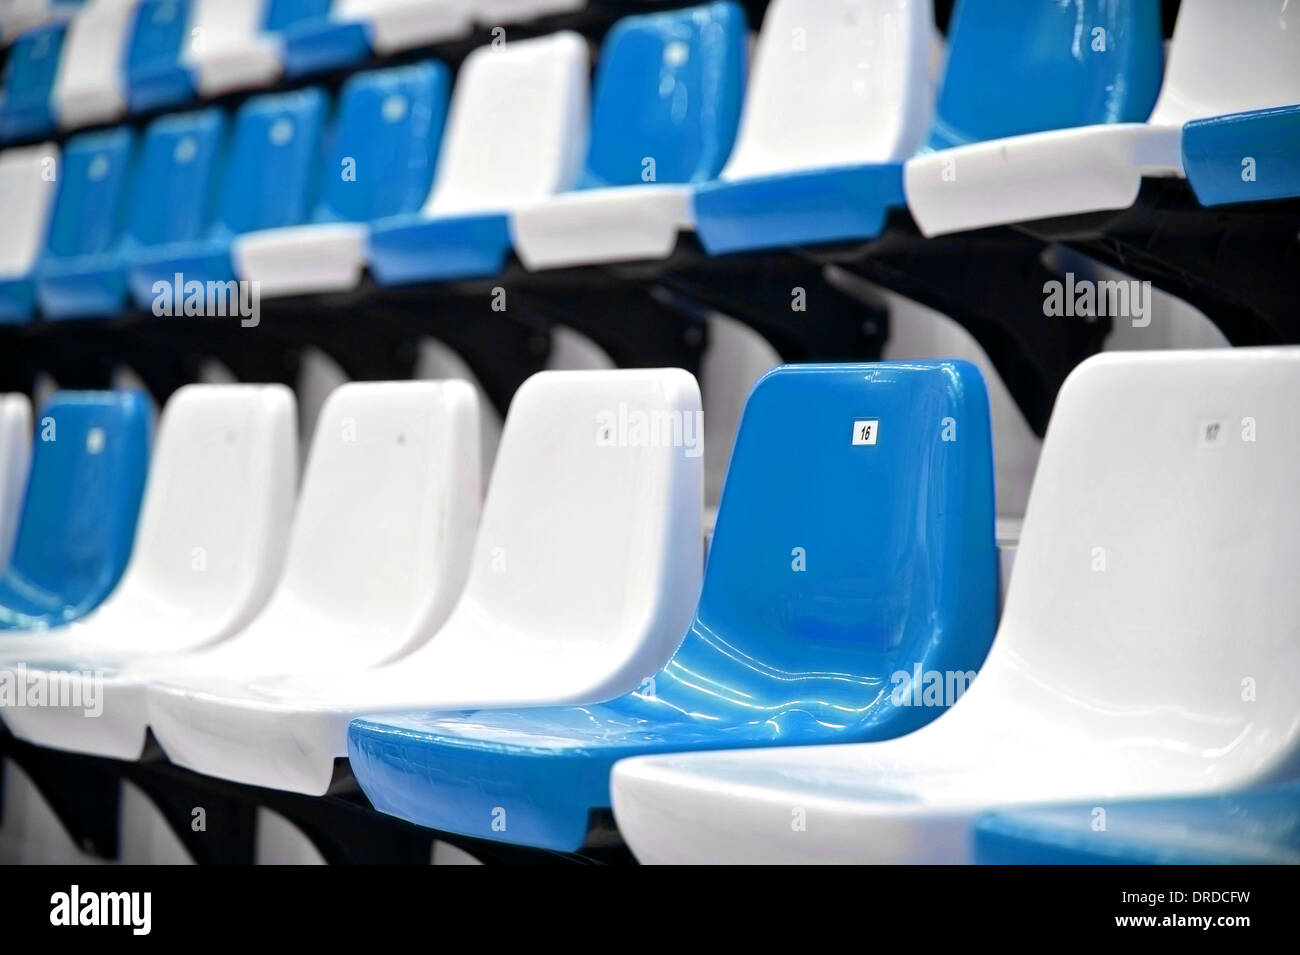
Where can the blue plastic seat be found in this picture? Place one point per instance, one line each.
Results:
(81, 273)
(89, 461)
(667, 104)
(1240, 828)
(380, 161)
(1215, 149)
(27, 88)
(266, 180)
(854, 544)
(156, 78)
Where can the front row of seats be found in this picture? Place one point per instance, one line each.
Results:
(489, 677)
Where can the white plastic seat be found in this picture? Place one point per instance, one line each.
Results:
(227, 48)
(1222, 59)
(211, 538)
(1148, 645)
(90, 86)
(15, 454)
(585, 571)
(516, 133)
(28, 180)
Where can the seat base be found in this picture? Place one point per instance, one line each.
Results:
(809, 207)
(1061, 172)
(154, 273)
(302, 260)
(81, 287)
(324, 45)
(17, 300)
(1244, 157)
(409, 249)
(110, 720)
(219, 70)
(622, 224)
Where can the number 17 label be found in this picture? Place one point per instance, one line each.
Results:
(866, 431)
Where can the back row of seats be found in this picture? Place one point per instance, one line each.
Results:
(524, 163)
(103, 59)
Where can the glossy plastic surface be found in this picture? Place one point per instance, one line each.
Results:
(1244, 157)
(26, 105)
(155, 76)
(212, 535)
(377, 557)
(585, 572)
(237, 44)
(90, 86)
(89, 460)
(15, 457)
(28, 182)
(667, 103)
(1119, 670)
(380, 160)
(82, 272)
(840, 94)
(267, 180)
(530, 92)
(834, 566)
(1240, 828)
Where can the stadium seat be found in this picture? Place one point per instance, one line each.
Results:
(1018, 158)
(266, 180)
(15, 456)
(81, 273)
(664, 115)
(839, 97)
(848, 552)
(238, 44)
(156, 76)
(28, 180)
(1260, 827)
(584, 573)
(90, 86)
(213, 526)
(1123, 667)
(26, 104)
(516, 133)
(378, 555)
(384, 147)
(349, 30)
(89, 460)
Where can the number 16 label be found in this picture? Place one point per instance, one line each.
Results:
(866, 431)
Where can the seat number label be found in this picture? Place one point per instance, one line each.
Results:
(865, 431)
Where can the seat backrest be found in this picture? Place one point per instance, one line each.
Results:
(173, 191)
(159, 35)
(1229, 59)
(854, 539)
(15, 456)
(388, 508)
(591, 530)
(270, 174)
(385, 143)
(1154, 591)
(1024, 68)
(836, 83)
(217, 505)
(517, 129)
(28, 180)
(26, 92)
(89, 461)
(90, 84)
(668, 93)
(91, 206)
